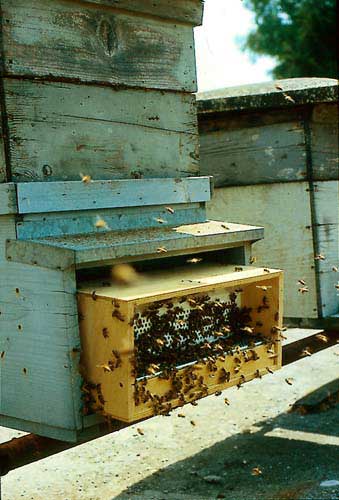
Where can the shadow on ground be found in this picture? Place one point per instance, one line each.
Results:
(295, 452)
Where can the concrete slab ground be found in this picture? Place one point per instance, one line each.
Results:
(215, 458)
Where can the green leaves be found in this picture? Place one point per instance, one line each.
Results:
(300, 34)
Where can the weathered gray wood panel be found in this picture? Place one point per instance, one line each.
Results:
(283, 209)
(273, 152)
(39, 375)
(189, 11)
(7, 199)
(59, 130)
(2, 151)
(325, 141)
(326, 201)
(65, 39)
(35, 197)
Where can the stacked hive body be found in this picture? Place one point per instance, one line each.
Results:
(99, 165)
(274, 146)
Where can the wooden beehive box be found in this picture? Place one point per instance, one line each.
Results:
(275, 146)
(177, 336)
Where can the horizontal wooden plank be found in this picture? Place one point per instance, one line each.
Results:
(7, 199)
(69, 39)
(189, 11)
(35, 226)
(253, 155)
(41, 197)
(122, 246)
(58, 130)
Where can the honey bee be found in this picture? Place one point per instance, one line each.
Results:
(194, 260)
(86, 179)
(194, 403)
(225, 227)
(218, 334)
(289, 381)
(181, 415)
(306, 352)
(258, 374)
(256, 471)
(302, 282)
(193, 423)
(322, 337)
(159, 342)
(105, 367)
(105, 333)
(226, 401)
(160, 221)
(263, 287)
(94, 295)
(335, 269)
(266, 270)
(161, 250)
(319, 257)
(253, 260)
(238, 268)
(217, 393)
(248, 329)
(100, 223)
(170, 210)
(289, 98)
(303, 289)
(117, 314)
(140, 431)
(278, 87)
(269, 369)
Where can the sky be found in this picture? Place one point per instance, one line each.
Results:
(220, 61)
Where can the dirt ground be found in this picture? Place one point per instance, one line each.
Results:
(175, 460)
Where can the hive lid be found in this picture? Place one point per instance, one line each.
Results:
(161, 283)
(88, 250)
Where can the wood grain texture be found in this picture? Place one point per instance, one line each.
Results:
(65, 39)
(59, 130)
(39, 197)
(325, 142)
(117, 387)
(8, 203)
(2, 151)
(84, 222)
(123, 246)
(326, 200)
(39, 375)
(284, 212)
(273, 152)
(189, 11)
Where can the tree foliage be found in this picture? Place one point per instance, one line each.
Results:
(300, 34)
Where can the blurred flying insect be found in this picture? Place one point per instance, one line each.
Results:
(306, 352)
(140, 431)
(86, 179)
(289, 98)
(263, 287)
(278, 87)
(303, 289)
(289, 381)
(194, 260)
(100, 223)
(160, 220)
(322, 337)
(170, 210)
(256, 471)
(320, 257)
(253, 260)
(335, 269)
(161, 250)
(302, 282)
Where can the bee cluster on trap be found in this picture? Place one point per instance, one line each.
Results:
(183, 349)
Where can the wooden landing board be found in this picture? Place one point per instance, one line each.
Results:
(122, 246)
(59, 130)
(82, 42)
(40, 197)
